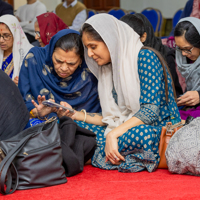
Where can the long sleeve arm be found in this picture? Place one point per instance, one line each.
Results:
(24, 84)
(79, 20)
(150, 86)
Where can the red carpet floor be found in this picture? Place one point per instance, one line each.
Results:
(94, 183)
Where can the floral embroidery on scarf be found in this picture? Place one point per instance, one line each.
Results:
(15, 27)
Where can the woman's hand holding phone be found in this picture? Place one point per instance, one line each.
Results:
(43, 110)
(62, 112)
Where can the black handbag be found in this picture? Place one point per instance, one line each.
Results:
(33, 159)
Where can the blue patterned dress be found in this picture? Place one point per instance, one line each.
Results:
(139, 145)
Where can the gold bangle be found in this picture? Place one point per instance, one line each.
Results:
(83, 110)
(32, 115)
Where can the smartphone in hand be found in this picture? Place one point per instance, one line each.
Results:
(56, 105)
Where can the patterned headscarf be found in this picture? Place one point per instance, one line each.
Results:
(49, 24)
(38, 77)
(21, 45)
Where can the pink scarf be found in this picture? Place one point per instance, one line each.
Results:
(196, 9)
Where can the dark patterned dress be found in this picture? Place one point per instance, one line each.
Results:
(139, 145)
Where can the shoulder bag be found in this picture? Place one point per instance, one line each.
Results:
(32, 159)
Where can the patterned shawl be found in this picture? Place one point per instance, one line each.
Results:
(38, 77)
(49, 24)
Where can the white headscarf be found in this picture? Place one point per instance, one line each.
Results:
(21, 45)
(124, 45)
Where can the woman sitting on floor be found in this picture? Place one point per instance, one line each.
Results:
(187, 38)
(58, 72)
(13, 46)
(142, 26)
(136, 96)
(46, 26)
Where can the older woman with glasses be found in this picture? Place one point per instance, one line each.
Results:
(46, 26)
(187, 38)
(13, 46)
(58, 72)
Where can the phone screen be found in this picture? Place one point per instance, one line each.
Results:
(52, 104)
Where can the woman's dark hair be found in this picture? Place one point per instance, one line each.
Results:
(70, 42)
(188, 30)
(135, 23)
(87, 28)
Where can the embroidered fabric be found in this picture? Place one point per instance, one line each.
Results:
(183, 151)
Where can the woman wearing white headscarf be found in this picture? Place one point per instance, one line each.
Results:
(13, 46)
(187, 38)
(131, 86)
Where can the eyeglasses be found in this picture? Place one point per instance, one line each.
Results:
(37, 33)
(6, 37)
(188, 51)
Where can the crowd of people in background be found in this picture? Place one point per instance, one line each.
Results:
(121, 81)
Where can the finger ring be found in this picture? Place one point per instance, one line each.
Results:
(115, 158)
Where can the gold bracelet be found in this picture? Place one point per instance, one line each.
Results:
(43, 119)
(32, 115)
(83, 110)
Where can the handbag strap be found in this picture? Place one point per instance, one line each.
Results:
(5, 166)
(10, 183)
(172, 127)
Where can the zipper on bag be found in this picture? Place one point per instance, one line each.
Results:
(39, 149)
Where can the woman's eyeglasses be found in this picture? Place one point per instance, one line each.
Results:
(188, 51)
(37, 33)
(6, 37)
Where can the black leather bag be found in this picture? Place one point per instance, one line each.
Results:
(33, 159)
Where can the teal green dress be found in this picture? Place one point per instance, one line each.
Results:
(139, 145)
